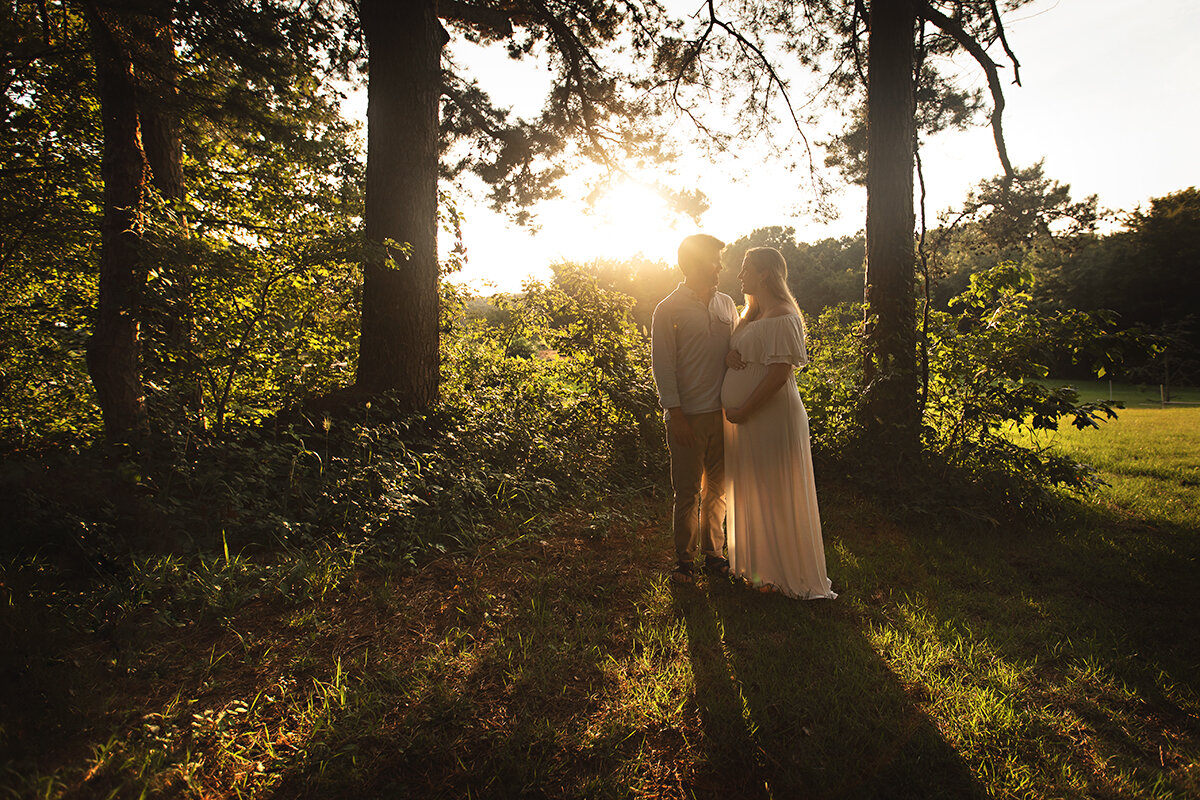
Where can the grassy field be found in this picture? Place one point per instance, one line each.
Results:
(1151, 458)
(1133, 395)
(1061, 662)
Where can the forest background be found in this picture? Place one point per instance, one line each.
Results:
(255, 435)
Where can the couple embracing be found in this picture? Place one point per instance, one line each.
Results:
(736, 429)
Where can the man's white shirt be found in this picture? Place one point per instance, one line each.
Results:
(688, 344)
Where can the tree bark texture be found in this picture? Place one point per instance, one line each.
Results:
(159, 117)
(112, 352)
(158, 104)
(398, 347)
(891, 413)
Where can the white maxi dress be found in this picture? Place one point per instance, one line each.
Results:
(773, 528)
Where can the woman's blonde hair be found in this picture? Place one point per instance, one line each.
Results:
(772, 266)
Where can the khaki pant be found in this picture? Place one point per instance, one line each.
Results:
(698, 482)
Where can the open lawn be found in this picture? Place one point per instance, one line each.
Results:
(1151, 458)
(1132, 395)
(557, 661)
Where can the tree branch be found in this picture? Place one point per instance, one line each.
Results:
(575, 53)
(460, 100)
(486, 18)
(1004, 41)
(772, 75)
(860, 15)
(956, 32)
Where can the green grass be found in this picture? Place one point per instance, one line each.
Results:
(1151, 458)
(1132, 395)
(958, 662)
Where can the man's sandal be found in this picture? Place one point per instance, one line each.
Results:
(715, 565)
(683, 573)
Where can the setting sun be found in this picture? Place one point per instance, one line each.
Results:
(620, 221)
(631, 218)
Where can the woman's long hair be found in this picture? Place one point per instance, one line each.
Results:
(772, 266)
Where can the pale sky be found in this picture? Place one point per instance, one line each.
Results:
(1109, 100)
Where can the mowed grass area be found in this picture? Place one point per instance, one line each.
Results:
(1132, 395)
(1151, 458)
(1056, 662)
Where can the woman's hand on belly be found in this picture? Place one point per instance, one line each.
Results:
(738, 384)
(744, 392)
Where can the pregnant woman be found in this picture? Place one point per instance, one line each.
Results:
(772, 523)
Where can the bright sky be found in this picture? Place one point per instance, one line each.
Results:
(1109, 100)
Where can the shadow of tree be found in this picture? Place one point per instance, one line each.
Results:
(795, 703)
(521, 689)
(1077, 635)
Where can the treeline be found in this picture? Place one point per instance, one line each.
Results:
(1142, 275)
(241, 311)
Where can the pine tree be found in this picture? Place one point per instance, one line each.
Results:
(588, 110)
(873, 52)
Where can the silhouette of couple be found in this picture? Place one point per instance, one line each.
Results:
(737, 432)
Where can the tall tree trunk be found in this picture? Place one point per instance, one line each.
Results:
(160, 122)
(398, 347)
(891, 413)
(112, 352)
(158, 103)
(161, 127)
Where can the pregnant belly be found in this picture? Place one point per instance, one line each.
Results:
(740, 383)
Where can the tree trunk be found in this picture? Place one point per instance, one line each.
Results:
(158, 104)
(159, 117)
(398, 347)
(891, 413)
(112, 353)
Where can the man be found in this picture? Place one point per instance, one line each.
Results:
(689, 338)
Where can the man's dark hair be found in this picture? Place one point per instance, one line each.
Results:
(697, 248)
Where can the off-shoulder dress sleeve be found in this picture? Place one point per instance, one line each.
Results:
(784, 340)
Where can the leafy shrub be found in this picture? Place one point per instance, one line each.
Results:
(987, 399)
(830, 385)
(989, 360)
(581, 410)
(575, 423)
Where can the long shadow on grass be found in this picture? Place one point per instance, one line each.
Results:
(795, 703)
(1077, 636)
(585, 677)
(1100, 619)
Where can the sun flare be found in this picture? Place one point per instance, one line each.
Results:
(629, 218)
(625, 219)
